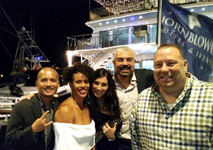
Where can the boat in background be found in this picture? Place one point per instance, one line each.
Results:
(28, 57)
(120, 23)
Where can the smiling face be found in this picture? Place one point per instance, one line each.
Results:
(170, 68)
(79, 86)
(47, 82)
(100, 86)
(124, 62)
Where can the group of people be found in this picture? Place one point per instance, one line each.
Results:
(132, 109)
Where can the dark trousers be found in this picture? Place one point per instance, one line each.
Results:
(124, 144)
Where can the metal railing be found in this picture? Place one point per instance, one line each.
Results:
(93, 41)
(6, 104)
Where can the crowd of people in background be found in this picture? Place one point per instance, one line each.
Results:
(167, 108)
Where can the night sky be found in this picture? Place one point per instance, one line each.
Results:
(54, 20)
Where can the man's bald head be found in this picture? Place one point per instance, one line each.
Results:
(122, 50)
(45, 69)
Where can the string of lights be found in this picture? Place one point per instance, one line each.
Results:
(125, 6)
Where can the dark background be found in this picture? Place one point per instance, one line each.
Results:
(54, 20)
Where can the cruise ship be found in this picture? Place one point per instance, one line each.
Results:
(118, 23)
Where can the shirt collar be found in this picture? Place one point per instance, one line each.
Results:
(43, 105)
(133, 79)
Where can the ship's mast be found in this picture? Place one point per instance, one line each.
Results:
(27, 52)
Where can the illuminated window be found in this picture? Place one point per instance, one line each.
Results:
(148, 64)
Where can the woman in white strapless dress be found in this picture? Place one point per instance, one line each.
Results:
(72, 136)
(73, 127)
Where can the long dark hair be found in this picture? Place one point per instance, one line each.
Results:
(111, 103)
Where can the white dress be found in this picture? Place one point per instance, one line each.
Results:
(73, 136)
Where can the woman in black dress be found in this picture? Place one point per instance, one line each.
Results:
(105, 110)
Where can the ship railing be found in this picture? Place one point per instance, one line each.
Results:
(97, 40)
(6, 104)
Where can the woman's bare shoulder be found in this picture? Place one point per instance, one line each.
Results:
(63, 113)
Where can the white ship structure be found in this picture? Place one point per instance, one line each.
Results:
(131, 23)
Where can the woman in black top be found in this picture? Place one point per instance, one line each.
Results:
(105, 110)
